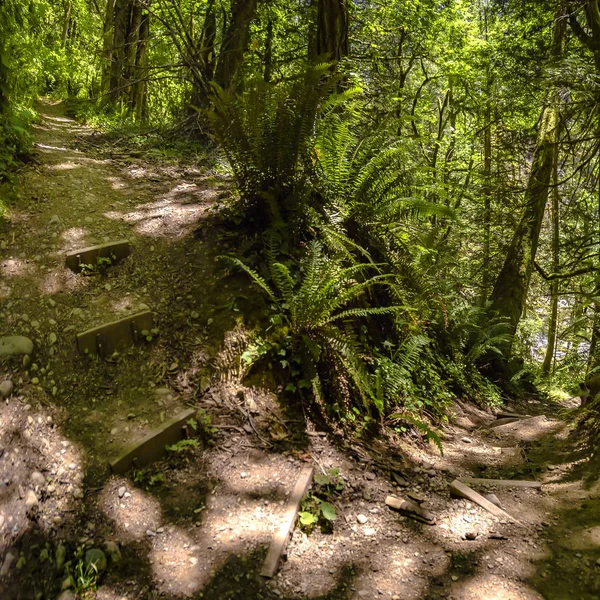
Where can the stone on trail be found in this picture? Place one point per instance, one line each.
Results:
(38, 479)
(96, 557)
(6, 388)
(60, 557)
(7, 564)
(15, 345)
(113, 551)
(67, 595)
(31, 500)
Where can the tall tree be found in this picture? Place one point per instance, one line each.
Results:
(235, 43)
(332, 30)
(510, 290)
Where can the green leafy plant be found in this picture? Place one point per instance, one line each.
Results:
(182, 446)
(84, 577)
(317, 507)
(146, 478)
(311, 322)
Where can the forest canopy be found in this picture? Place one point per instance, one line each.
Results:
(416, 182)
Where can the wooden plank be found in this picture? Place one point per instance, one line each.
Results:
(152, 447)
(116, 251)
(411, 509)
(105, 339)
(281, 538)
(503, 482)
(458, 488)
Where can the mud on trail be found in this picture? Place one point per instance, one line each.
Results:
(197, 523)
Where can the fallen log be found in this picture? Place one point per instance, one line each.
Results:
(502, 482)
(411, 509)
(458, 488)
(282, 537)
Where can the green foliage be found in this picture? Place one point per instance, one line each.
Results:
(147, 478)
(182, 446)
(317, 507)
(84, 577)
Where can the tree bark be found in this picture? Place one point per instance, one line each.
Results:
(510, 290)
(554, 285)
(332, 30)
(235, 43)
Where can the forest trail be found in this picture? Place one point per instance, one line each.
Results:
(196, 524)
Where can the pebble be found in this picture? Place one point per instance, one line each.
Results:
(52, 338)
(7, 564)
(60, 556)
(370, 476)
(38, 479)
(113, 551)
(122, 491)
(467, 440)
(95, 556)
(454, 578)
(31, 500)
(67, 595)
(15, 345)
(243, 475)
(55, 220)
(6, 388)
(471, 535)
(362, 519)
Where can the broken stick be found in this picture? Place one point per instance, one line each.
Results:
(281, 538)
(458, 488)
(411, 509)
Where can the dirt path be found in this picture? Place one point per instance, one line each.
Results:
(197, 524)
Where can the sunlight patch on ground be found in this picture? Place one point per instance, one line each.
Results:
(65, 166)
(492, 587)
(53, 283)
(74, 234)
(116, 183)
(53, 148)
(583, 539)
(13, 267)
(133, 515)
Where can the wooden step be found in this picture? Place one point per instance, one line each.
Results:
(152, 447)
(115, 251)
(105, 339)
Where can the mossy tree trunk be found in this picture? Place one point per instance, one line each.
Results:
(125, 51)
(510, 290)
(332, 30)
(235, 43)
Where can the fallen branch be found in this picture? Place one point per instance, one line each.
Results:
(411, 509)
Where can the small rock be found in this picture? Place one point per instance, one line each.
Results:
(38, 479)
(243, 475)
(7, 564)
(362, 519)
(370, 531)
(15, 345)
(55, 220)
(67, 595)
(31, 500)
(471, 535)
(454, 577)
(370, 476)
(26, 361)
(52, 339)
(113, 551)
(67, 584)
(150, 533)
(467, 440)
(432, 472)
(96, 557)
(122, 491)
(6, 388)
(60, 557)
(494, 499)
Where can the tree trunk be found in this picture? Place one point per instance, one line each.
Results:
(510, 290)
(487, 202)
(332, 30)
(204, 74)
(269, 52)
(235, 43)
(554, 286)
